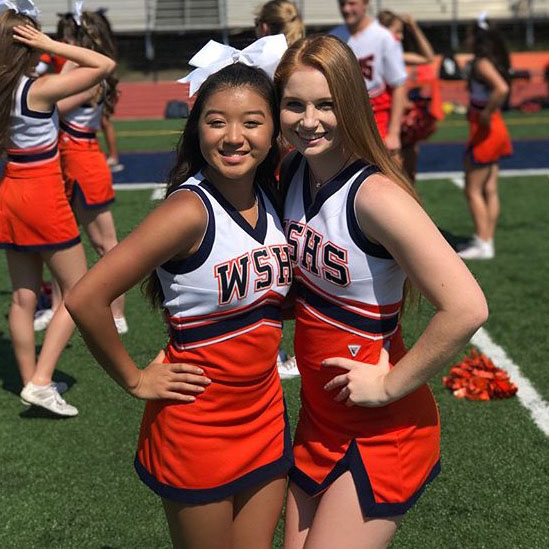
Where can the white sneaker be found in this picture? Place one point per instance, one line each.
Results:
(42, 319)
(60, 386)
(478, 251)
(121, 325)
(47, 397)
(288, 368)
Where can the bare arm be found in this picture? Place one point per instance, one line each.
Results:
(426, 53)
(74, 101)
(398, 103)
(486, 71)
(388, 215)
(48, 89)
(174, 228)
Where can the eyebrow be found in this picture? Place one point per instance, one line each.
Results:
(219, 111)
(292, 98)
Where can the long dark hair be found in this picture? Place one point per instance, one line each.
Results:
(94, 33)
(189, 159)
(489, 43)
(16, 60)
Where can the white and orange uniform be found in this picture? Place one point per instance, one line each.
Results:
(223, 309)
(381, 59)
(486, 144)
(34, 212)
(85, 169)
(349, 296)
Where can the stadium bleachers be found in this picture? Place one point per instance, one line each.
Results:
(136, 16)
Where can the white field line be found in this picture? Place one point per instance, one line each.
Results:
(527, 394)
(420, 177)
(427, 176)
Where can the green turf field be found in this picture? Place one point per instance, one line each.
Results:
(161, 135)
(70, 483)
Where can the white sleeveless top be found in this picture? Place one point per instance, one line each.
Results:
(236, 280)
(33, 135)
(83, 122)
(343, 279)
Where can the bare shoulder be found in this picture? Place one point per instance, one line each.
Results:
(378, 191)
(183, 210)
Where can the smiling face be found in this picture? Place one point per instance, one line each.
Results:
(307, 116)
(353, 11)
(235, 132)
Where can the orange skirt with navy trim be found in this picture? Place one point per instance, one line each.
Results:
(392, 452)
(87, 176)
(487, 144)
(233, 436)
(35, 214)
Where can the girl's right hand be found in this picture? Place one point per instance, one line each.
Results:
(30, 36)
(160, 380)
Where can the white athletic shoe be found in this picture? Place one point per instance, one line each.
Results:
(479, 249)
(121, 325)
(60, 386)
(42, 319)
(47, 397)
(288, 369)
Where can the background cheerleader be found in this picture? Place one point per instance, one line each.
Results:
(36, 222)
(489, 139)
(88, 179)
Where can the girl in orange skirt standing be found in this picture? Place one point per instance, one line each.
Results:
(214, 443)
(367, 440)
(488, 136)
(88, 178)
(36, 221)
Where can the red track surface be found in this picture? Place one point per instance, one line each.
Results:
(148, 99)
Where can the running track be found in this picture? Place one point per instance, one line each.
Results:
(148, 167)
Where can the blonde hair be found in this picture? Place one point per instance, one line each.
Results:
(16, 60)
(387, 18)
(336, 61)
(282, 17)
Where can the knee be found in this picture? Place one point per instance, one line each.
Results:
(104, 243)
(24, 298)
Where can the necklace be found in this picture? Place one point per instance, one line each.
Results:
(317, 184)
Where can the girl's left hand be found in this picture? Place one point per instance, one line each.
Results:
(28, 35)
(363, 384)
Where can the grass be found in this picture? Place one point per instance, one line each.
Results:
(162, 135)
(70, 483)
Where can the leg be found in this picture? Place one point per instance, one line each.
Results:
(491, 196)
(300, 513)
(25, 269)
(67, 267)
(339, 521)
(205, 526)
(256, 512)
(99, 226)
(475, 182)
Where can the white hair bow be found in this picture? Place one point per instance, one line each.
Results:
(24, 7)
(77, 11)
(482, 20)
(264, 53)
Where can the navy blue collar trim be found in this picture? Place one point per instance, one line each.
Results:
(259, 232)
(328, 189)
(25, 110)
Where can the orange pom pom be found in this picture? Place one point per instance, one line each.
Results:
(477, 378)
